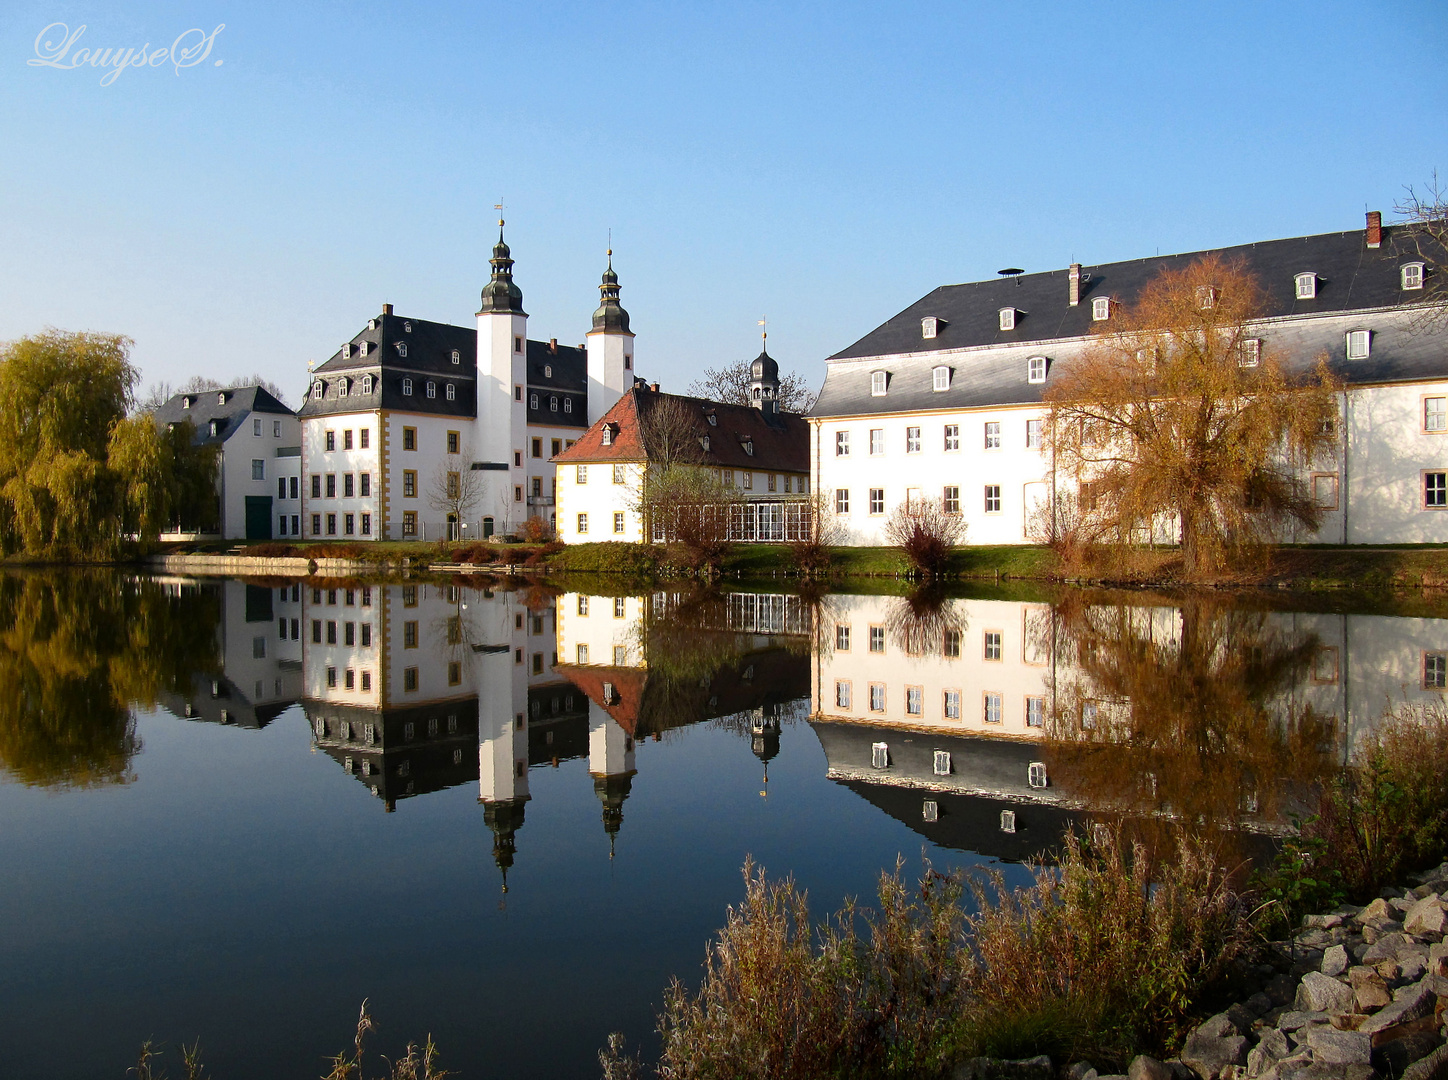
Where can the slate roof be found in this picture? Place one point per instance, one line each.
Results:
(430, 347)
(989, 364)
(568, 381)
(780, 441)
(207, 405)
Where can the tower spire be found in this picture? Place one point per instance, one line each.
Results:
(501, 294)
(610, 315)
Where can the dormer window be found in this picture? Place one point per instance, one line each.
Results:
(221, 398)
(878, 381)
(1206, 297)
(364, 347)
(568, 404)
(548, 371)
(1008, 318)
(407, 328)
(1412, 275)
(940, 379)
(186, 403)
(366, 384)
(457, 356)
(533, 401)
(749, 447)
(431, 389)
(1359, 344)
(704, 442)
(402, 348)
(215, 428)
(1036, 369)
(1101, 309)
(371, 324)
(342, 387)
(713, 420)
(318, 389)
(452, 392)
(1251, 352)
(1306, 286)
(345, 351)
(552, 402)
(607, 434)
(407, 388)
(929, 327)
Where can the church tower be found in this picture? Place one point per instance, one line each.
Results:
(610, 349)
(502, 377)
(764, 384)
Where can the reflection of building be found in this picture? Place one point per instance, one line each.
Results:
(258, 641)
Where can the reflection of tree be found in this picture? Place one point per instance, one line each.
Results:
(1181, 712)
(919, 623)
(76, 651)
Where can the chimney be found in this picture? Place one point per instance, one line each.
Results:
(387, 309)
(654, 387)
(1075, 277)
(553, 344)
(1375, 228)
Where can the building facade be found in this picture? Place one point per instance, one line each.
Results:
(426, 430)
(946, 400)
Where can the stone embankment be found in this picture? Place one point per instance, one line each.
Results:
(286, 566)
(1358, 994)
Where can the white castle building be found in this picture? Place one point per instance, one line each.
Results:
(409, 410)
(945, 400)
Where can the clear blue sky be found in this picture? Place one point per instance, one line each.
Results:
(822, 163)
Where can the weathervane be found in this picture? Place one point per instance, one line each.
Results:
(499, 208)
(764, 322)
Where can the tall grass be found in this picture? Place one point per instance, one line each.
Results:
(1103, 954)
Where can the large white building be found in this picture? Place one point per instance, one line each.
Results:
(409, 410)
(945, 400)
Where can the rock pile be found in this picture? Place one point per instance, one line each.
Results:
(1358, 994)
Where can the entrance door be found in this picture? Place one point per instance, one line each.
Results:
(258, 517)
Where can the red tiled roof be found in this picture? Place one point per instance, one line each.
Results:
(628, 687)
(780, 442)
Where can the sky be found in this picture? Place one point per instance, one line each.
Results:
(823, 165)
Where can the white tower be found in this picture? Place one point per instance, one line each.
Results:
(611, 764)
(499, 431)
(610, 350)
(503, 738)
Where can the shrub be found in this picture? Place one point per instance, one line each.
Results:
(925, 533)
(339, 551)
(270, 551)
(638, 560)
(536, 530)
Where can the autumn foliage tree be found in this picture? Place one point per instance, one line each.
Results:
(1177, 414)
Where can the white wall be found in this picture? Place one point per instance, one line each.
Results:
(320, 462)
(238, 451)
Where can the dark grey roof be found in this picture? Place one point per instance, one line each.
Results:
(229, 407)
(1358, 288)
(430, 347)
(568, 382)
(1351, 276)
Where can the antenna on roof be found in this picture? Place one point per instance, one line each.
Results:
(1011, 272)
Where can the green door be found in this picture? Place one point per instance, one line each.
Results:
(258, 517)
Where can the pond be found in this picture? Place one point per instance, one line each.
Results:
(508, 815)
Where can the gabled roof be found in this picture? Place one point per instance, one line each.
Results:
(1350, 276)
(229, 407)
(780, 442)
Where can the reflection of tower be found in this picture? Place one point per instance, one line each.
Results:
(611, 764)
(503, 734)
(765, 738)
(504, 819)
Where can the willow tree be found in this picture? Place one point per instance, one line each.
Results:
(1177, 413)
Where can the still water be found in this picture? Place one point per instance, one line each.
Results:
(231, 810)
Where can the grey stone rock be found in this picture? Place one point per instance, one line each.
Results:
(1402, 903)
(1148, 1068)
(1321, 993)
(1180, 1069)
(1282, 989)
(1375, 911)
(1375, 931)
(1274, 1044)
(983, 1068)
(1340, 1047)
(1216, 1027)
(1210, 1055)
(1426, 916)
(1323, 1070)
(1411, 968)
(1299, 1018)
(1258, 1063)
(1241, 1018)
(1432, 1067)
(1313, 939)
(1409, 1003)
(1385, 948)
(1322, 922)
(1369, 990)
(1082, 1070)
(1393, 1058)
(1259, 1003)
(1335, 961)
(1438, 959)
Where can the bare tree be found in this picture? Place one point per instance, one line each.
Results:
(680, 496)
(1177, 413)
(454, 489)
(730, 384)
(926, 532)
(202, 383)
(1426, 237)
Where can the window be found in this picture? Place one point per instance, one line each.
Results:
(331, 441)
(258, 468)
(1036, 369)
(1435, 490)
(940, 379)
(407, 388)
(537, 448)
(880, 755)
(1435, 414)
(552, 402)
(409, 483)
(343, 385)
(583, 523)
(1250, 352)
(929, 810)
(620, 607)
(316, 522)
(992, 644)
(366, 384)
(746, 479)
(409, 523)
(1324, 490)
(1435, 671)
(1035, 712)
(457, 357)
(1358, 344)
(952, 436)
(409, 683)
(929, 327)
(517, 392)
(914, 701)
(878, 383)
(607, 434)
(582, 654)
(877, 697)
(533, 401)
(282, 494)
(1033, 434)
(877, 500)
(256, 425)
(1324, 665)
(1008, 318)
(726, 476)
(992, 499)
(993, 435)
(877, 441)
(951, 704)
(950, 499)
(912, 440)
(348, 485)
(1412, 275)
(842, 500)
(409, 635)
(452, 392)
(517, 344)
(568, 404)
(583, 605)
(409, 438)
(992, 710)
(557, 447)
(1101, 309)
(942, 763)
(618, 475)
(1306, 286)
(877, 639)
(950, 644)
(365, 480)
(842, 694)
(318, 389)
(618, 521)
(431, 389)
(366, 524)
(842, 444)
(331, 485)
(365, 436)
(454, 485)
(842, 638)
(1206, 297)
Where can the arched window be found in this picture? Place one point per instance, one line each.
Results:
(366, 384)
(318, 389)
(402, 348)
(553, 403)
(431, 389)
(452, 392)
(568, 404)
(548, 371)
(457, 357)
(532, 401)
(407, 388)
(342, 387)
